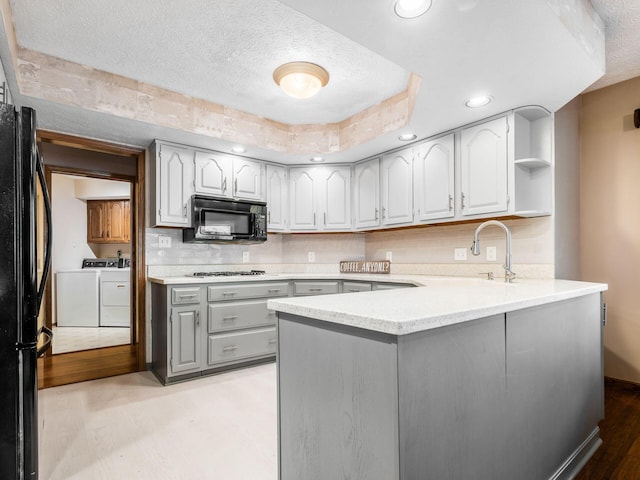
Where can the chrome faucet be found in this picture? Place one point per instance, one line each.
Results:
(509, 275)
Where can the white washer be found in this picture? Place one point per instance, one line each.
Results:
(77, 298)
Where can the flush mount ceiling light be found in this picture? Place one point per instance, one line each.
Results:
(238, 149)
(407, 137)
(479, 101)
(301, 79)
(411, 8)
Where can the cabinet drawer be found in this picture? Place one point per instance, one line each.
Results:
(185, 295)
(391, 286)
(356, 287)
(228, 347)
(238, 291)
(231, 316)
(314, 288)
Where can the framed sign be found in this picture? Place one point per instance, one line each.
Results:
(365, 266)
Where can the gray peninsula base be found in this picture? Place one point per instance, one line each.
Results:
(514, 395)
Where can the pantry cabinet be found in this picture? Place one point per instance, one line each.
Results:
(483, 168)
(397, 188)
(108, 221)
(277, 198)
(433, 179)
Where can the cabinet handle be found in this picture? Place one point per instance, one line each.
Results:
(229, 318)
(450, 203)
(384, 213)
(315, 289)
(229, 349)
(354, 290)
(314, 219)
(376, 214)
(228, 294)
(272, 341)
(192, 295)
(463, 206)
(235, 184)
(185, 210)
(269, 217)
(274, 290)
(224, 185)
(197, 318)
(120, 285)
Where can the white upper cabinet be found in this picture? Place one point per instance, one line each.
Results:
(397, 188)
(247, 179)
(320, 198)
(303, 187)
(213, 173)
(366, 198)
(277, 198)
(335, 198)
(174, 185)
(483, 168)
(433, 179)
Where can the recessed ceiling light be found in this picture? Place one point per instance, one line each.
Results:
(407, 137)
(238, 149)
(479, 101)
(412, 8)
(301, 79)
(316, 159)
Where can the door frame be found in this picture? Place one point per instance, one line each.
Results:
(84, 365)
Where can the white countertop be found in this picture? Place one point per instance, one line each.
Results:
(435, 302)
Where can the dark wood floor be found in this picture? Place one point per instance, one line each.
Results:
(618, 458)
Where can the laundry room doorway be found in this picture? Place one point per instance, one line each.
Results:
(94, 299)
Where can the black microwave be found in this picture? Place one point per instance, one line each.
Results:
(222, 220)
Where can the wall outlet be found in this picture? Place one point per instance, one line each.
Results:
(164, 241)
(311, 257)
(389, 256)
(460, 254)
(245, 257)
(491, 254)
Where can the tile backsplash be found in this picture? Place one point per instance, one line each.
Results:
(430, 248)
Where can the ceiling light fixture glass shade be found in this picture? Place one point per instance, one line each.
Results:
(479, 101)
(412, 8)
(301, 79)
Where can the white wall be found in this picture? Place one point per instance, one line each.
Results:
(99, 189)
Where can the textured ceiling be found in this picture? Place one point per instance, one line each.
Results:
(622, 36)
(224, 51)
(541, 52)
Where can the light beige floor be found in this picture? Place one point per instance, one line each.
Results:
(221, 427)
(73, 339)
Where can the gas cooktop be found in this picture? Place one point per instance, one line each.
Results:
(228, 274)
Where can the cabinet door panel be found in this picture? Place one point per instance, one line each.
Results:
(176, 184)
(397, 188)
(185, 339)
(434, 179)
(302, 189)
(96, 223)
(213, 173)
(247, 177)
(116, 214)
(484, 168)
(337, 199)
(277, 194)
(367, 194)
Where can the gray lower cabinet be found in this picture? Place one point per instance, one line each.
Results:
(202, 329)
(510, 396)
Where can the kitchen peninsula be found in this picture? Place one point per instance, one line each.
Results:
(458, 378)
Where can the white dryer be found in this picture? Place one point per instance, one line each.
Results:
(115, 297)
(77, 298)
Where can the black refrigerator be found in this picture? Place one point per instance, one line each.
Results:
(21, 339)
